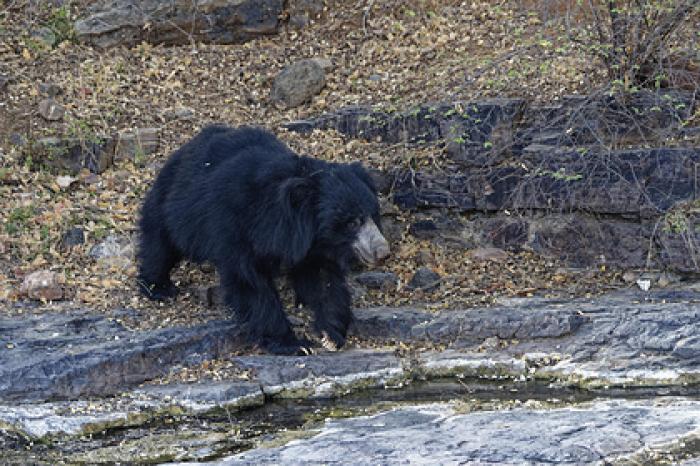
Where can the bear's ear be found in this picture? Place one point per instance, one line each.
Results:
(293, 192)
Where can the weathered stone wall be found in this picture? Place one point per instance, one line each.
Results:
(548, 177)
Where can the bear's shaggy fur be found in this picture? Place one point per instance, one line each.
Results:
(242, 200)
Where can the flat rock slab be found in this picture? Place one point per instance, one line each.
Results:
(39, 420)
(319, 376)
(128, 22)
(597, 432)
(324, 375)
(67, 356)
(630, 338)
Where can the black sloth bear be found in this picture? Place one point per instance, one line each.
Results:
(242, 200)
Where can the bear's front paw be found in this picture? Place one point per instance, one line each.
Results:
(332, 340)
(289, 347)
(157, 292)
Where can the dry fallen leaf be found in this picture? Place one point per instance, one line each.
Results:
(64, 182)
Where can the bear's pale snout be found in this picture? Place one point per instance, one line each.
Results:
(371, 246)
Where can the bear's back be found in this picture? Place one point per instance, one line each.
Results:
(216, 144)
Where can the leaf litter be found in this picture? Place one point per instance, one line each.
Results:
(392, 54)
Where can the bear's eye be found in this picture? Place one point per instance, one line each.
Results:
(354, 223)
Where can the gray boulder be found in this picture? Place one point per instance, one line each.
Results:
(298, 83)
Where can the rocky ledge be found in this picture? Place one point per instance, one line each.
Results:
(631, 344)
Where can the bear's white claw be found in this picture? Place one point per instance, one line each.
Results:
(327, 342)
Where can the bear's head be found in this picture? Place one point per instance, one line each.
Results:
(348, 215)
(332, 211)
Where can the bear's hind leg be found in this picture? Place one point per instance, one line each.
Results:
(157, 256)
(257, 304)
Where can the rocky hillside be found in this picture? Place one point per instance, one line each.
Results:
(538, 170)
